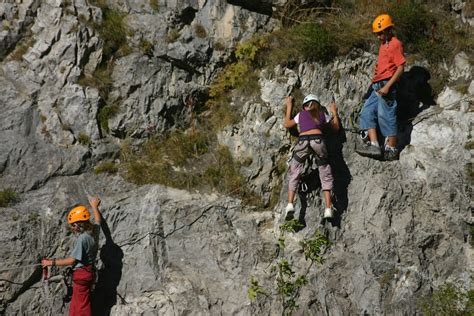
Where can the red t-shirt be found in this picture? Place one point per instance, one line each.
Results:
(390, 58)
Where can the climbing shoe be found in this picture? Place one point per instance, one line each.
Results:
(328, 213)
(369, 150)
(289, 211)
(390, 153)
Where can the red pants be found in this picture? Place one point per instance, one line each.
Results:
(82, 281)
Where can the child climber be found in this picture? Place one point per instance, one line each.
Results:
(311, 121)
(82, 256)
(381, 106)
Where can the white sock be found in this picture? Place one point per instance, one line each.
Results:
(375, 143)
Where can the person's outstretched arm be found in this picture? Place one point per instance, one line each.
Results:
(289, 123)
(95, 202)
(58, 262)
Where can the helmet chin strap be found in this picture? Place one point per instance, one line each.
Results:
(386, 33)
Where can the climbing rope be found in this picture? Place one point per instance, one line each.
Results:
(18, 267)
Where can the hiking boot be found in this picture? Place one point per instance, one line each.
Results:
(289, 211)
(328, 213)
(390, 154)
(369, 150)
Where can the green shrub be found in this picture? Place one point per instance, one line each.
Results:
(314, 41)
(222, 114)
(107, 167)
(291, 226)
(288, 281)
(154, 5)
(84, 139)
(247, 51)
(8, 197)
(173, 35)
(101, 79)
(65, 126)
(99, 3)
(173, 161)
(104, 114)
(146, 47)
(224, 175)
(157, 159)
(232, 77)
(448, 300)
(22, 48)
(429, 32)
(255, 289)
(387, 277)
(113, 31)
(200, 30)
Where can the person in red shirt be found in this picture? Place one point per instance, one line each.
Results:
(380, 107)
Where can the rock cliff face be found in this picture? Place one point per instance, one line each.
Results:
(402, 228)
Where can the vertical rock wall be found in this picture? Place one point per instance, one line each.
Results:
(401, 228)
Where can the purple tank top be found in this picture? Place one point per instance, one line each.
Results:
(307, 122)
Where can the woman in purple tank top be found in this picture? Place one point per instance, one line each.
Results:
(310, 121)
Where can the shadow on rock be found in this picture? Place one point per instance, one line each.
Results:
(341, 174)
(413, 90)
(105, 292)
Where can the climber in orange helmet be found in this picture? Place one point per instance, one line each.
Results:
(380, 107)
(82, 257)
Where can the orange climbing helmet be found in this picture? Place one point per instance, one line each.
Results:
(381, 23)
(77, 214)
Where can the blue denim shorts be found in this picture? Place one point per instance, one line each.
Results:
(380, 111)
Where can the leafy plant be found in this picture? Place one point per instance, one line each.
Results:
(233, 76)
(8, 197)
(255, 289)
(247, 51)
(312, 247)
(291, 226)
(288, 281)
(288, 285)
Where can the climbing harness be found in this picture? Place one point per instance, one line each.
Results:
(320, 161)
(304, 154)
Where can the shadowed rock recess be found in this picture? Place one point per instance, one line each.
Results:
(402, 229)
